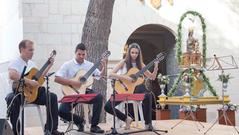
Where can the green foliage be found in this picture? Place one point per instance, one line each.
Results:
(210, 88)
(224, 78)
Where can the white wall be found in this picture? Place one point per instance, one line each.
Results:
(11, 30)
(10, 35)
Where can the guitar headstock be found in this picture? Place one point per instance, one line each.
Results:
(106, 54)
(53, 54)
(160, 56)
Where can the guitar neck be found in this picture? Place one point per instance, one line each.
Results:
(40, 72)
(87, 75)
(140, 72)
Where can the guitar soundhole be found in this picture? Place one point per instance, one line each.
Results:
(82, 79)
(34, 78)
(133, 76)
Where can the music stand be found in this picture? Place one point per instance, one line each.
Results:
(113, 99)
(74, 99)
(48, 107)
(136, 97)
(20, 88)
(222, 64)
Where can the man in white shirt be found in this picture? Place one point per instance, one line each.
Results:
(15, 68)
(63, 76)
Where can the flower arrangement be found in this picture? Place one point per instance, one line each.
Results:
(231, 107)
(224, 78)
(163, 79)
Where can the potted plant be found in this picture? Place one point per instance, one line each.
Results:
(199, 113)
(230, 112)
(161, 112)
(224, 78)
(185, 111)
(163, 80)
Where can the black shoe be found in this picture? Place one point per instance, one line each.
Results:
(55, 132)
(80, 127)
(149, 127)
(96, 129)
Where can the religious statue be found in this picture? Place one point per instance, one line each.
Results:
(190, 41)
(196, 47)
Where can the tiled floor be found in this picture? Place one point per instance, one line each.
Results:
(184, 128)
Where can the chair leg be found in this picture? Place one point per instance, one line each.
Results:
(139, 104)
(86, 113)
(136, 113)
(41, 119)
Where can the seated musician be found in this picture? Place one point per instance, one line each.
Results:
(133, 58)
(26, 48)
(63, 76)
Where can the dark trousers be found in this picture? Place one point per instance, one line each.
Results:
(147, 105)
(65, 110)
(14, 110)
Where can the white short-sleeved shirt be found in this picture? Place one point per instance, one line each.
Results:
(70, 68)
(18, 65)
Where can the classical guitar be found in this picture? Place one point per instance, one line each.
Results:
(85, 77)
(30, 92)
(125, 86)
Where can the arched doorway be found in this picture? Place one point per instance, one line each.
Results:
(153, 39)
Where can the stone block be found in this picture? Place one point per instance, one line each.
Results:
(40, 10)
(53, 7)
(28, 27)
(59, 28)
(53, 19)
(74, 19)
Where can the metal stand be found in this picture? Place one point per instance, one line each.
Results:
(113, 129)
(71, 123)
(20, 88)
(219, 67)
(224, 115)
(190, 114)
(48, 107)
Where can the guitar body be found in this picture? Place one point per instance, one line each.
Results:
(32, 92)
(125, 86)
(69, 90)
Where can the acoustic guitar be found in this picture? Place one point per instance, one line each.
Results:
(85, 77)
(124, 86)
(30, 92)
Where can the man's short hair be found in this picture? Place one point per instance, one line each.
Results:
(23, 44)
(80, 46)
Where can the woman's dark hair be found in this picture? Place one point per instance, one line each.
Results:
(128, 59)
(80, 46)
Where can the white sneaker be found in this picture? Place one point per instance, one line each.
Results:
(128, 122)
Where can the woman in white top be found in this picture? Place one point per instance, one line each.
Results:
(133, 58)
